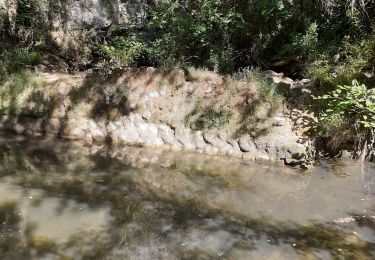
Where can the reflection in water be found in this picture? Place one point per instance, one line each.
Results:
(60, 200)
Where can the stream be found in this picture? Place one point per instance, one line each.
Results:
(63, 200)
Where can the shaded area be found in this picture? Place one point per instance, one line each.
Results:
(108, 98)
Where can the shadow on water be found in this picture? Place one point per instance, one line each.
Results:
(149, 211)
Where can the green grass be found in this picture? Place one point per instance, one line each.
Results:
(203, 118)
(22, 93)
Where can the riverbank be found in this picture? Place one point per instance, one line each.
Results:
(195, 111)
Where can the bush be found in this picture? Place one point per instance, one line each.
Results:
(207, 118)
(199, 33)
(349, 112)
(340, 64)
(23, 57)
(23, 94)
(31, 22)
(123, 52)
(243, 104)
(14, 60)
(267, 92)
(355, 103)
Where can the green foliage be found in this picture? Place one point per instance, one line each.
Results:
(31, 22)
(2, 22)
(299, 37)
(3, 70)
(14, 60)
(196, 32)
(227, 35)
(22, 57)
(354, 105)
(123, 52)
(267, 93)
(348, 120)
(341, 63)
(207, 118)
(306, 43)
(259, 105)
(23, 93)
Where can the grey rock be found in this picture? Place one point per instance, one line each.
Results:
(210, 138)
(98, 135)
(52, 126)
(279, 121)
(147, 132)
(129, 136)
(235, 148)
(247, 144)
(199, 142)
(115, 129)
(167, 134)
(185, 138)
(219, 141)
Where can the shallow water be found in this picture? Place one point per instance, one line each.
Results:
(60, 200)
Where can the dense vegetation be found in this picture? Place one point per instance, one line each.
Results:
(329, 41)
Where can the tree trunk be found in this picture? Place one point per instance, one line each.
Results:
(10, 13)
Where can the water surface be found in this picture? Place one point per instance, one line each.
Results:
(60, 200)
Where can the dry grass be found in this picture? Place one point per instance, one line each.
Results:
(243, 103)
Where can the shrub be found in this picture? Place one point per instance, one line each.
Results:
(3, 70)
(355, 103)
(197, 32)
(340, 64)
(23, 93)
(207, 118)
(123, 52)
(267, 92)
(244, 104)
(258, 105)
(15, 59)
(23, 57)
(350, 111)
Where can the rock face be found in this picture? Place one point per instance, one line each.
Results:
(84, 14)
(70, 21)
(151, 108)
(74, 21)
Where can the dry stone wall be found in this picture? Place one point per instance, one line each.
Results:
(149, 107)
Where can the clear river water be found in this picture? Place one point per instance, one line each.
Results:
(63, 200)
